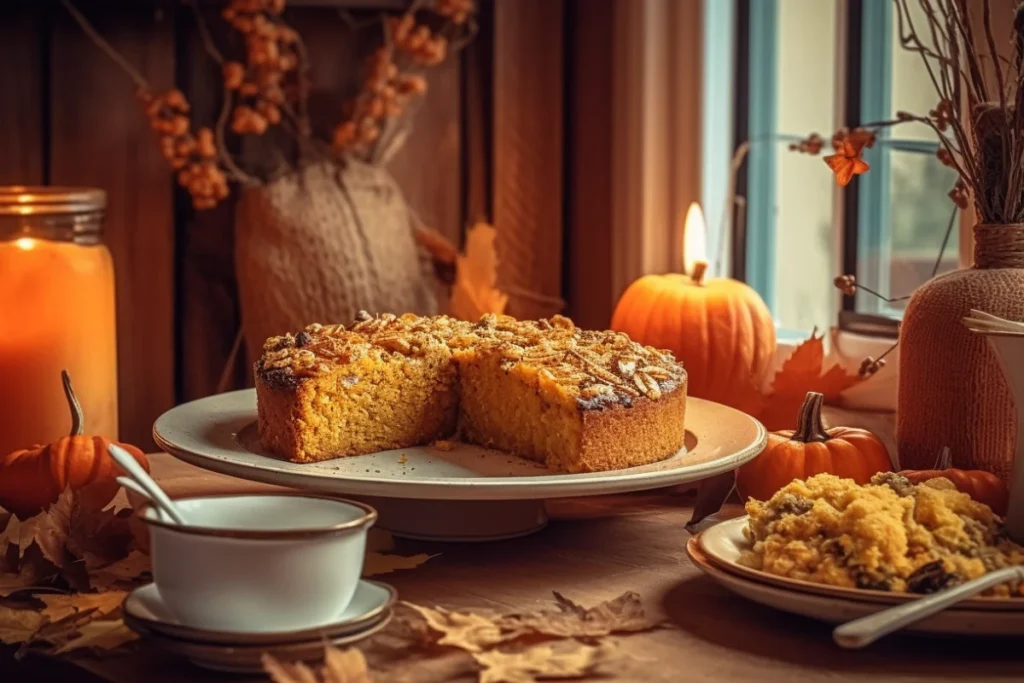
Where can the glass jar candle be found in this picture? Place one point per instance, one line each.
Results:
(56, 312)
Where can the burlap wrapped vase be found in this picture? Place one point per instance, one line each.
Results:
(321, 244)
(951, 389)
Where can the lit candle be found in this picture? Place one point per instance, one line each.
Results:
(719, 328)
(56, 312)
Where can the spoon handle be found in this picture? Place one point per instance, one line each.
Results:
(866, 630)
(127, 463)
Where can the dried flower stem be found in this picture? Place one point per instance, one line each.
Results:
(108, 49)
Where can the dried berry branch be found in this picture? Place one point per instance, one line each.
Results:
(978, 121)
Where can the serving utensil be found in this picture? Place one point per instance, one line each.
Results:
(866, 630)
(152, 490)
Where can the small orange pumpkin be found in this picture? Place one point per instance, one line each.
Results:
(720, 329)
(846, 452)
(980, 485)
(33, 478)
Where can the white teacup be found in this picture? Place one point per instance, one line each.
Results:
(244, 562)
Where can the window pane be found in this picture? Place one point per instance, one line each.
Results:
(912, 88)
(806, 67)
(918, 214)
(804, 252)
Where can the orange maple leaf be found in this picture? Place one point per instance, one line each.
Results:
(475, 291)
(846, 162)
(802, 372)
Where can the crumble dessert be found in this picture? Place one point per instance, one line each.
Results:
(888, 535)
(575, 400)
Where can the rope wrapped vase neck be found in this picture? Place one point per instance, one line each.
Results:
(998, 246)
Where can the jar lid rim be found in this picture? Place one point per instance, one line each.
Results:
(25, 200)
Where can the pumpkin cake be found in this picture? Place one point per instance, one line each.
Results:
(888, 535)
(575, 400)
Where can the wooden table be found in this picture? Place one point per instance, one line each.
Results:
(596, 549)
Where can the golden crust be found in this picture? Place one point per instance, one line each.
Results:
(597, 368)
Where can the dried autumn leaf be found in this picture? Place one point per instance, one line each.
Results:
(465, 630)
(623, 614)
(99, 635)
(31, 570)
(48, 530)
(801, 373)
(474, 292)
(540, 662)
(60, 607)
(123, 571)
(378, 563)
(18, 624)
(340, 666)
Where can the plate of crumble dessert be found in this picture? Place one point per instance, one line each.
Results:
(461, 430)
(834, 550)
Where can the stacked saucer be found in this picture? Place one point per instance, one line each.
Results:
(239, 651)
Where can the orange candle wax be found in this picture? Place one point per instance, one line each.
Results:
(56, 312)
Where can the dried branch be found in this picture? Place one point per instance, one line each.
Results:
(108, 49)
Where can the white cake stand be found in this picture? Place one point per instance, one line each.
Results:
(466, 493)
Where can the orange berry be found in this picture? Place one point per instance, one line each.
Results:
(234, 75)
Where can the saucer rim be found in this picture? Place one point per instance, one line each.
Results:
(204, 636)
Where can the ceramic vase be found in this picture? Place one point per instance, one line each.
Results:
(951, 387)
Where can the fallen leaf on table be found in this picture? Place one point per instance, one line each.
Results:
(60, 607)
(99, 635)
(623, 614)
(475, 290)
(48, 530)
(29, 571)
(121, 572)
(540, 662)
(340, 666)
(711, 496)
(18, 624)
(465, 630)
(377, 563)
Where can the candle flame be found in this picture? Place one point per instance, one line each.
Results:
(695, 238)
(25, 243)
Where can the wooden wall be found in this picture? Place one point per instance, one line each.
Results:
(68, 116)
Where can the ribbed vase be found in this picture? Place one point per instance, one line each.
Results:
(952, 391)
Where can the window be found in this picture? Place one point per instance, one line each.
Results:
(813, 66)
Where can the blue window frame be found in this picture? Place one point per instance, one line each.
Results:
(873, 213)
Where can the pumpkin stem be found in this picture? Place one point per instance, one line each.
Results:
(76, 408)
(945, 459)
(699, 268)
(810, 428)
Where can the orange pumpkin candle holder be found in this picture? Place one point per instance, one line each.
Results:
(811, 449)
(33, 478)
(719, 328)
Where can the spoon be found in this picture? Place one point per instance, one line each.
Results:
(129, 484)
(866, 630)
(129, 465)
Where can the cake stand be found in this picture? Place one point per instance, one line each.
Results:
(464, 493)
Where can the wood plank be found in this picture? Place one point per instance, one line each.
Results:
(478, 119)
(101, 138)
(528, 212)
(22, 104)
(589, 185)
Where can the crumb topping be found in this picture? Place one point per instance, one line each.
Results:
(888, 535)
(595, 368)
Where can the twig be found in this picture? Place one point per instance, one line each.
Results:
(225, 156)
(138, 78)
(945, 240)
(204, 33)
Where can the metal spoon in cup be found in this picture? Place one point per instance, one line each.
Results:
(129, 485)
(866, 630)
(152, 490)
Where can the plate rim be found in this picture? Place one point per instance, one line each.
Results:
(202, 636)
(990, 604)
(700, 560)
(553, 485)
